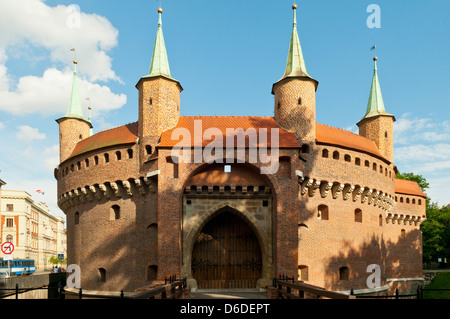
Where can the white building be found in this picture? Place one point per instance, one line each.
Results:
(34, 231)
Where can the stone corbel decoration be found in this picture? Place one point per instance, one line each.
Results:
(347, 191)
(312, 190)
(365, 195)
(127, 186)
(357, 193)
(337, 189)
(325, 189)
(306, 184)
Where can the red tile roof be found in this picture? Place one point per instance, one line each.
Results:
(125, 134)
(222, 123)
(128, 134)
(334, 136)
(403, 186)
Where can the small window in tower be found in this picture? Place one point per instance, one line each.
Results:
(336, 155)
(303, 273)
(279, 105)
(227, 169)
(347, 158)
(148, 149)
(130, 153)
(358, 215)
(114, 213)
(106, 157)
(366, 163)
(305, 149)
(118, 155)
(322, 212)
(96, 160)
(86, 162)
(265, 203)
(102, 275)
(80, 136)
(385, 134)
(358, 161)
(325, 153)
(300, 101)
(151, 101)
(152, 272)
(343, 273)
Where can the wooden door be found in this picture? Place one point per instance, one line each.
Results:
(226, 254)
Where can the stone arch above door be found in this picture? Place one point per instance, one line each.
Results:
(252, 210)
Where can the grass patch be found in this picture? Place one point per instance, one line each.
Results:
(441, 281)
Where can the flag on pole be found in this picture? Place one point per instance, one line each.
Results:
(40, 192)
(373, 48)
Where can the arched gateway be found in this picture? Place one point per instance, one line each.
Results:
(227, 253)
(227, 228)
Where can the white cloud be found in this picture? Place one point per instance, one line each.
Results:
(422, 146)
(51, 156)
(28, 134)
(50, 94)
(32, 24)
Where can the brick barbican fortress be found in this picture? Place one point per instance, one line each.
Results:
(137, 214)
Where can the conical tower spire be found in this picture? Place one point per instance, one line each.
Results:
(296, 66)
(160, 63)
(75, 109)
(375, 106)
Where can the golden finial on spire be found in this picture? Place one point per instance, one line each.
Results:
(160, 10)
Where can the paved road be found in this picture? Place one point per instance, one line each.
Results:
(228, 294)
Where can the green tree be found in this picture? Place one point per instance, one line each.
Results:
(436, 228)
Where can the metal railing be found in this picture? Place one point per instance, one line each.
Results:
(288, 288)
(173, 288)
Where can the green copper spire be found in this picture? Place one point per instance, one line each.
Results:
(160, 62)
(75, 109)
(375, 106)
(295, 66)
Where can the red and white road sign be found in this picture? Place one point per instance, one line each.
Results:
(7, 248)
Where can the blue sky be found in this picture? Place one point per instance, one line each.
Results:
(226, 55)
